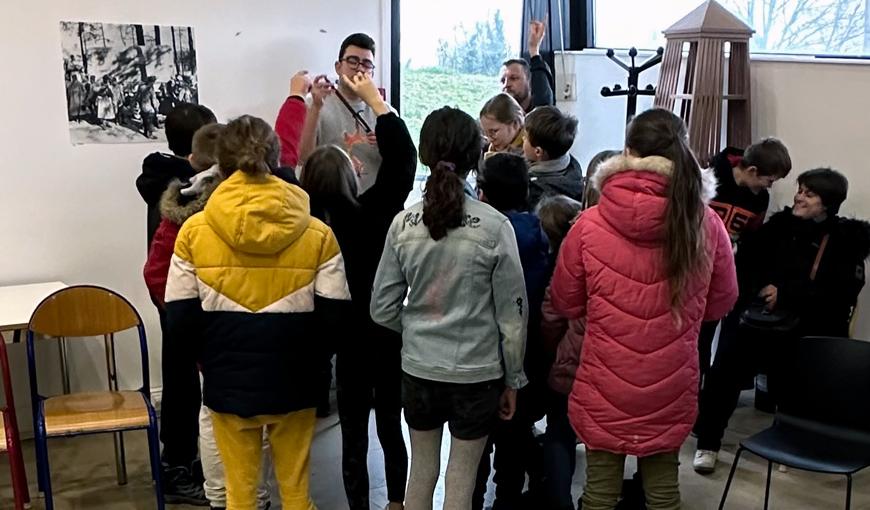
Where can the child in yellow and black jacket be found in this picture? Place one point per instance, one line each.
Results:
(255, 279)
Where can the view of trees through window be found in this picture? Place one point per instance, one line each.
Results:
(451, 55)
(818, 27)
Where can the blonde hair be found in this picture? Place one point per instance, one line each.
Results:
(248, 144)
(504, 108)
(204, 147)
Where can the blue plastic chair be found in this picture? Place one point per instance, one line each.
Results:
(88, 311)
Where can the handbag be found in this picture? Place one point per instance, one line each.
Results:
(758, 316)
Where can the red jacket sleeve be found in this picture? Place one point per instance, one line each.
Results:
(722, 293)
(159, 256)
(568, 287)
(289, 124)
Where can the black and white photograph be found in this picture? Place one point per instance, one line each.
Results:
(122, 79)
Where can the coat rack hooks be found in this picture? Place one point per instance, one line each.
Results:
(634, 72)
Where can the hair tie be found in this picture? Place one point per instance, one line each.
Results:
(446, 165)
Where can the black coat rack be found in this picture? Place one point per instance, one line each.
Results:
(633, 74)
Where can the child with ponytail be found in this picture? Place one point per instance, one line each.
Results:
(450, 281)
(645, 267)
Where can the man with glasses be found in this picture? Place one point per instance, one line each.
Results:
(337, 116)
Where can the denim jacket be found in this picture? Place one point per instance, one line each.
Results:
(466, 312)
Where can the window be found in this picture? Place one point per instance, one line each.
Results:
(451, 54)
(815, 27)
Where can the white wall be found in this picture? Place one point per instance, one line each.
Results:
(818, 108)
(73, 213)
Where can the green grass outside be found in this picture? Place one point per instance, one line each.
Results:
(425, 90)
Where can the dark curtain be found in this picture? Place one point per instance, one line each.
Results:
(576, 31)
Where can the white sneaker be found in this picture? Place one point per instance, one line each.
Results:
(705, 461)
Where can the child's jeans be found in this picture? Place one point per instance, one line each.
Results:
(560, 454)
(605, 470)
(240, 442)
(213, 469)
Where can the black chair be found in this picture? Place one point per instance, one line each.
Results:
(822, 422)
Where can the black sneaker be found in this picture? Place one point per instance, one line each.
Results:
(180, 488)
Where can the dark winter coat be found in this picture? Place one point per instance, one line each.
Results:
(361, 228)
(782, 253)
(547, 178)
(158, 170)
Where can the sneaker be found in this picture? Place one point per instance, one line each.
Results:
(705, 461)
(180, 488)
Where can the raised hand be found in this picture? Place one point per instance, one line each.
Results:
(536, 36)
(363, 86)
(320, 89)
(300, 84)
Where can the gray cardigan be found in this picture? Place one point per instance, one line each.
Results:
(464, 320)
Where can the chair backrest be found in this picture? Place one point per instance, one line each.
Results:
(84, 311)
(827, 380)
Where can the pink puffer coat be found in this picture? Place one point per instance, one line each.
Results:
(637, 390)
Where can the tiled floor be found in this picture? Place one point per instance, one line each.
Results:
(83, 475)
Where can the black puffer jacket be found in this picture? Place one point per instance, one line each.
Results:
(783, 252)
(158, 170)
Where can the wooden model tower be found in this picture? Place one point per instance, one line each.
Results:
(699, 83)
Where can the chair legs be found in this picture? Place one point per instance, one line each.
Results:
(730, 477)
(43, 466)
(154, 450)
(120, 458)
(848, 492)
(767, 486)
(20, 491)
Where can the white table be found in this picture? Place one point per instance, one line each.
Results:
(17, 303)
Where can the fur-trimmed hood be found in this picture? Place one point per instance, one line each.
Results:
(655, 164)
(177, 208)
(634, 195)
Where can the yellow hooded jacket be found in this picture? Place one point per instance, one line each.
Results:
(255, 281)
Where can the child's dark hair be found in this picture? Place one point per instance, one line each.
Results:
(182, 122)
(248, 144)
(551, 130)
(503, 108)
(658, 132)
(504, 180)
(769, 157)
(204, 149)
(830, 185)
(450, 142)
(557, 214)
(328, 173)
(591, 194)
(359, 40)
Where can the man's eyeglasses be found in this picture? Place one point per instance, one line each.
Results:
(356, 63)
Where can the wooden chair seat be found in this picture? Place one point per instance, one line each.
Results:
(95, 412)
(2, 428)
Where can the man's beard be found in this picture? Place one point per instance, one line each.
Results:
(523, 96)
